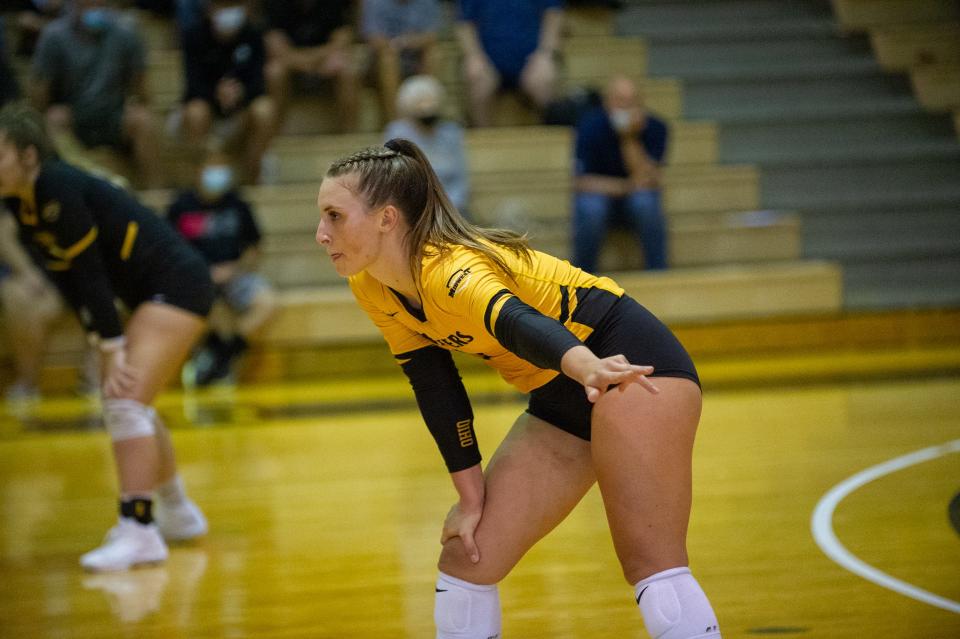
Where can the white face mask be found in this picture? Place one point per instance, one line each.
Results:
(216, 179)
(621, 119)
(228, 21)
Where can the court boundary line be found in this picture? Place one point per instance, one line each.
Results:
(821, 524)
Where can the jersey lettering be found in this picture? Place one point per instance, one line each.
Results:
(457, 340)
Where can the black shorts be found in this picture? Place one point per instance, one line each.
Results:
(184, 282)
(627, 329)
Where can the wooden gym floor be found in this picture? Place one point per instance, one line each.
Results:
(325, 502)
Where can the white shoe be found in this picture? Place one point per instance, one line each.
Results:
(179, 521)
(127, 544)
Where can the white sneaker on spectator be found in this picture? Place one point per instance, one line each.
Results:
(179, 520)
(126, 545)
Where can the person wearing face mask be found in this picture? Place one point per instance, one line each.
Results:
(88, 77)
(619, 151)
(221, 226)
(420, 102)
(224, 57)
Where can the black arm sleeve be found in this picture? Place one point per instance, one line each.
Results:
(444, 404)
(82, 274)
(528, 333)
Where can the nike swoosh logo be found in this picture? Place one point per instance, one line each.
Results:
(439, 590)
(392, 314)
(641, 593)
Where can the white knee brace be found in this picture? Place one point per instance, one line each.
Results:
(463, 610)
(675, 607)
(127, 419)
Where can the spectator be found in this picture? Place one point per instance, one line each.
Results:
(402, 35)
(509, 44)
(619, 151)
(312, 39)
(88, 78)
(420, 104)
(31, 18)
(225, 58)
(221, 225)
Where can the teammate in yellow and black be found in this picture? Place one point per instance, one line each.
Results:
(584, 351)
(99, 244)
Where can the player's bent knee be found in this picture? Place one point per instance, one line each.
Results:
(455, 561)
(128, 419)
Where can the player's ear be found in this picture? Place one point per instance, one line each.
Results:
(389, 218)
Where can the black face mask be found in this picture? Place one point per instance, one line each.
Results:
(428, 120)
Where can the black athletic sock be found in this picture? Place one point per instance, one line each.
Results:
(138, 508)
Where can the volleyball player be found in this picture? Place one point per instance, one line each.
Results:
(584, 352)
(99, 245)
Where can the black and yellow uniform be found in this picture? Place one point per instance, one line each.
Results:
(98, 243)
(520, 326)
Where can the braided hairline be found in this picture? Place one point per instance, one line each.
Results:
(369, 154)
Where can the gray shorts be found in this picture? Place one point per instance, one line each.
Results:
(240, 291)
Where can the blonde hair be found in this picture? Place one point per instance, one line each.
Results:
(399, 173)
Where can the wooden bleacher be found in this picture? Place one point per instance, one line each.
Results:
(937, 86)
(921, 37)
(735, 263)
(860, 15)
(903, 47)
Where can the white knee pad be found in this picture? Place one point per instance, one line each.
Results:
(463, 610)
(675, 607)
(127, 419)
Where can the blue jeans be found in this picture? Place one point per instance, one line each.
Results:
(594, 213)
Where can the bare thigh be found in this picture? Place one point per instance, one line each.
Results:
(536, 477)
(642, 450)
(159, 338)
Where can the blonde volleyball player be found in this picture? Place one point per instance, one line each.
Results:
(584, 352)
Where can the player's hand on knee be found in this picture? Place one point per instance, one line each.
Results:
(119, 378)
(463, 525)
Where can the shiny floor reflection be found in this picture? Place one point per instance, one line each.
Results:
(325, 513)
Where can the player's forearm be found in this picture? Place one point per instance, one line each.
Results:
(470, 487)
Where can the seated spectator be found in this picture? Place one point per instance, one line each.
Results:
(619, 151)
(30, 305)
(402, 35)
(221, 225)
(509, 44)
(88, 78)
(225, 57)
(312, 39)
(420, 102)
(31, 16)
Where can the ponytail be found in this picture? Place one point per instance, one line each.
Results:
(399, 173)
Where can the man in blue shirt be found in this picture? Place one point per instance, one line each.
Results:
(509, 43)
(619, 151)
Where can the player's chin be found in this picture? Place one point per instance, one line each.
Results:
(343, 267)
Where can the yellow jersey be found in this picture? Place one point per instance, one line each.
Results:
(461, 294)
